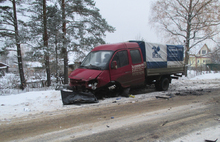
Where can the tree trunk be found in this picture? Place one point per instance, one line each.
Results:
(64, 49)
(45, 38)
(56, 64)
(20, 63)
(189, 20)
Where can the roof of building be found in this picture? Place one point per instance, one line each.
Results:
(195, 50)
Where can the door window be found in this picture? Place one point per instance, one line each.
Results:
(121, 58)
(135, 56)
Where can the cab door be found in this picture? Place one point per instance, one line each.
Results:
(122, 73)
(137, 67)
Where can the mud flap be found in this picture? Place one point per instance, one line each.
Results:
(72, 97)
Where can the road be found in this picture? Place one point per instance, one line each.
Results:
(152, 120)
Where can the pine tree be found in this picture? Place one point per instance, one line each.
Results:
(45, 39)
(9, 30)
(83, 28)
(39, 35)
(54, 35)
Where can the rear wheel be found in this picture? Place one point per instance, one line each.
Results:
(162, 84)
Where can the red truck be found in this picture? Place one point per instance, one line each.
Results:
(113, 69)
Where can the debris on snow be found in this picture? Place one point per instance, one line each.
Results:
(165, 123)
(167, 98)
(211, 140)
(27, 109)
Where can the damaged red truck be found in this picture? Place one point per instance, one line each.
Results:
(112, 69)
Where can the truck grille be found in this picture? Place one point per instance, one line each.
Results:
(75, 82)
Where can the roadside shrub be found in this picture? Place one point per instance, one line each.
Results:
(8, 82)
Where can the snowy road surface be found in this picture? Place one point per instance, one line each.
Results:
(33, 106)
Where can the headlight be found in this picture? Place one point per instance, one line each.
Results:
(93, 84)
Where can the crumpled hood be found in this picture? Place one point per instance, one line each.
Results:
(84, 74)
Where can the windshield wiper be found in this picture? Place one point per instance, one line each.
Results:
(84, 67)
(94, 67)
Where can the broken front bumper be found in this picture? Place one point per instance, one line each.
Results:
(75, 97)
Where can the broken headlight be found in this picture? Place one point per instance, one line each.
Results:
(92, 84)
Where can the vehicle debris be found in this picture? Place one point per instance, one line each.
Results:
(70, 97)
(165, 123)
(170, 95)
(61, 87)
(167, 98)
(211, 140)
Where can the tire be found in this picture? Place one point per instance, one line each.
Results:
(162, 84)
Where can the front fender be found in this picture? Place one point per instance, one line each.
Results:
(103, 78)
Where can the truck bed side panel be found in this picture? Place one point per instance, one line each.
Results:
(156, 55)
(164, 59)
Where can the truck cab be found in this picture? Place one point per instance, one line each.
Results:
(110, 68)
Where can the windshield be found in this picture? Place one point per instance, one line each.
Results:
(97, 60)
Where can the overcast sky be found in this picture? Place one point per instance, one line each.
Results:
(130, 18)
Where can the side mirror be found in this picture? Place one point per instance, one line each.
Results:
(114, 65)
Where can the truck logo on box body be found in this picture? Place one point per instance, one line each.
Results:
(155, 54)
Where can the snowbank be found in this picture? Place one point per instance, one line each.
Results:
(18, 105)
(207, 76)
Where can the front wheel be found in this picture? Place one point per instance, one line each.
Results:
(162, 84)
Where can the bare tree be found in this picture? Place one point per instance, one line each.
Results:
(188, 21)
(215, 55)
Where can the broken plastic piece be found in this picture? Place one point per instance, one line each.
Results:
(72, 97)
(132, 96)
(211, 140)
(162, 97)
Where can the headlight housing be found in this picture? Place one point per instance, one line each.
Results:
(93, 84)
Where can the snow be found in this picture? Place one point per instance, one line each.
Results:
(34, 64)
(207, 76)
(23, 104)
(38, 102)
(199, 136)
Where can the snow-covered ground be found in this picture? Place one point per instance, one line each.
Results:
(29, 103)
(211, 134)
(37, 102)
